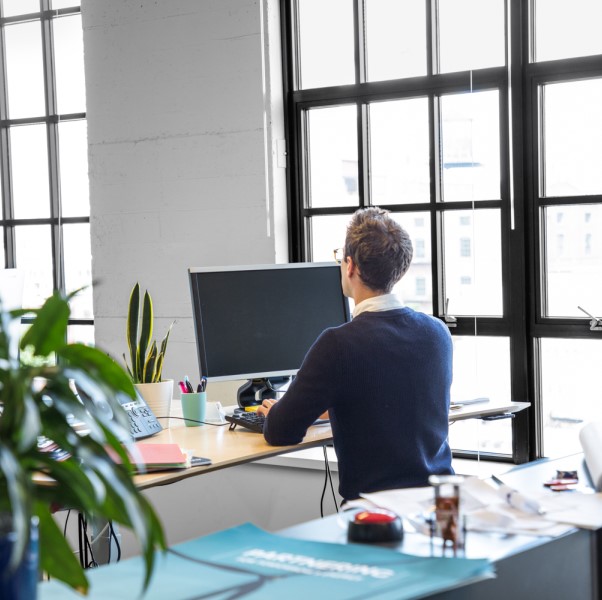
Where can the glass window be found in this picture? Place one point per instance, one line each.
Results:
(82, 334)
(399, 152)
(419, 250)
(34, 258)
(64, 3)
(73, 156)
(471, 146)
(46, 164)
(573, 268)
(420, 269)
(566, 30)
(572, 131)
(11, 8)
(326, 43)
(395, 39)
(568, 402)
(78, 268)
(29, 164)
(478, 257)
(69, 64)
(471, 34)
(332, 150)
(24, 70)
(327, 233)
(481, 369)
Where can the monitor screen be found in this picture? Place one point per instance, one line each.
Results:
(259, 321)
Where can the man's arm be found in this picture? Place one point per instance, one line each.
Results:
(309, 396)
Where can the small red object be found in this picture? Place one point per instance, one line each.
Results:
(375, 516)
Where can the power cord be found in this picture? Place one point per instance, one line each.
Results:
(195, 421)
(327, 478)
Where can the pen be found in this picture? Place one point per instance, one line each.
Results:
(517, 500)
(188, 385)
(203, 383)
(183, 387)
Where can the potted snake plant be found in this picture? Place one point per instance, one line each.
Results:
(146, 357)
(38, 405)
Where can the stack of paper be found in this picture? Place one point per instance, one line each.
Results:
(159, 457)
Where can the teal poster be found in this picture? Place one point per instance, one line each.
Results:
(246, 562)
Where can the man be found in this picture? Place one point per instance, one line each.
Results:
(384, 377)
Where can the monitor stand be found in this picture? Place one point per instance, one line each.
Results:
(254, 391)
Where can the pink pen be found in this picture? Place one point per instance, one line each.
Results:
(182, 387)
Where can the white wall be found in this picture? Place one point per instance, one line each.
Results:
(183, 108)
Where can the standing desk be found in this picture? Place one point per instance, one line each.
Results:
(228, 448)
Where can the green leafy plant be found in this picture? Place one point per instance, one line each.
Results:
(146, 358)
(37, 402)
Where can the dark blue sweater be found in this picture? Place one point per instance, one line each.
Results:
(385, 379)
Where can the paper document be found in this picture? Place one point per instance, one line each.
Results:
(485, 509)
(590, 437)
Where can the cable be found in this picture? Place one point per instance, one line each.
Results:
(327, 478)
(195, 421)
(116, 539)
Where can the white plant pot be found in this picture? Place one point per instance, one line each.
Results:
(158, 397)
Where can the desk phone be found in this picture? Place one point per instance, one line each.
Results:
(143, 422)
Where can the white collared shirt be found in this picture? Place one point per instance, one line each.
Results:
(378, 304)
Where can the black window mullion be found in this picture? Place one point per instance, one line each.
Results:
(8, 212)
(52, 147)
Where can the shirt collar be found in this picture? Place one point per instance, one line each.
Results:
(378, 304)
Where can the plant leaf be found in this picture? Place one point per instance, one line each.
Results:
(132, 328)
(18, 494)
(48, 331)
(60, 562)
(146, 329)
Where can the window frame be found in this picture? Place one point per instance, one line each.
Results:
(50, 120)
(520, 205)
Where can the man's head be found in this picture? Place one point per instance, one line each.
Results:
(379, 247)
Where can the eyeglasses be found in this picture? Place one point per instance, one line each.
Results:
(339, 255)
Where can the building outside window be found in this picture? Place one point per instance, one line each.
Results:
(489, 137)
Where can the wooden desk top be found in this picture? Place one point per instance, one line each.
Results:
(225, 448)
(228, 448)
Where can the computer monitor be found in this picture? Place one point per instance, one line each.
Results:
(257, 322)
(11, 297)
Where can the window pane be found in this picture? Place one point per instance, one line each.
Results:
(573, 236)
(73, 156)
(20, 7)
(570, 396)
(82, 334)
(395, 39)
(565, 31)
(471, 146)
(326, 41)
(572, 132)
(24, 70)
(65, 3)
(481, 369)
(415, 288)
(471, 34)
(399, 152)
(34, 258)
(29, 164)
(327, 233)
(69, 64)
(473, 262)
(78, 268)
(333, 156)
